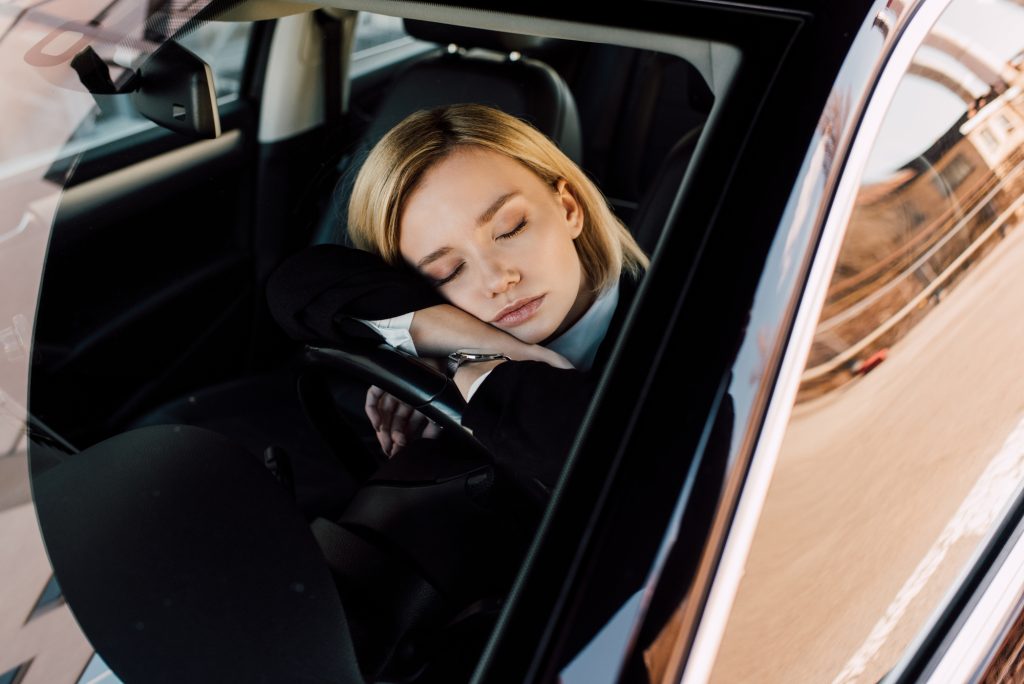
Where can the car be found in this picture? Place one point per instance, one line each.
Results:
(822, 187)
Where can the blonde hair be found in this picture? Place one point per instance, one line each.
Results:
(399, 160)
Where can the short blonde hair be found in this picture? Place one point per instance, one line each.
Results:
(399, 160)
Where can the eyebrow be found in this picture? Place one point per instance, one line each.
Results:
(495, 206)
(433, 256)
(481, 220)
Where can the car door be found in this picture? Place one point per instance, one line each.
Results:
(887, 480)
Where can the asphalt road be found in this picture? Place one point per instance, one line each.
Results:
(884, 490)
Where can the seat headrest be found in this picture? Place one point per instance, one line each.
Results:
(526, 88)
(649, 220)
(467, 37)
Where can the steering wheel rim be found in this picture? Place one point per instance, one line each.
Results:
(402, 375)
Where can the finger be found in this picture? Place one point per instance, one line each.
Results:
(384, 439)
(414, 427)
(432, 431)
(400, 419)
(373, 396)
(387, 406)
(400, 434)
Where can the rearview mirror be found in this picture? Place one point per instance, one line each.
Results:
(172, 87)
(175, 90)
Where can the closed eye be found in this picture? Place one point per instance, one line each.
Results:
(515, 231)
(450, 277)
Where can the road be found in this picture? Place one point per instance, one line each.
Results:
(884, 490)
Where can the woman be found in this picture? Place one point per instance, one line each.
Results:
(474, 230)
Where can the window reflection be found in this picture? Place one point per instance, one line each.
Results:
(907, 441)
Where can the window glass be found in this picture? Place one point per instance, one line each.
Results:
(50, 597)
(380, 42)
(377, 31)
(222, 45)
(906, 443)
(97, 671)
(16, 675)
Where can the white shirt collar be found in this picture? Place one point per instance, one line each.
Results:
(579, 343)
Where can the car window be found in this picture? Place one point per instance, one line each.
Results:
(906, 442)
(375, 32)
(380, 41)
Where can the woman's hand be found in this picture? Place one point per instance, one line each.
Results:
(396, 423)
(535, 352)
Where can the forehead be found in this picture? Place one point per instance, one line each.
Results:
(457, 189)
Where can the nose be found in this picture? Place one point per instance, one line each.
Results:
(498, 276)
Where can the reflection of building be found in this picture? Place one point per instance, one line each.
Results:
(997, 129)
(40, 641)
(913, 234)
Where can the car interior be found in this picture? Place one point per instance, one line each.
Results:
(152, 321)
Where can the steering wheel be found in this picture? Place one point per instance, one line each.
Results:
(442, 515)
(405, 377)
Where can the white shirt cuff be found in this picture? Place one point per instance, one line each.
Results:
(476, 385)
(395, 331)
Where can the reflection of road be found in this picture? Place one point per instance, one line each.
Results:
(52, 641)
(39, 116)
(863, 530)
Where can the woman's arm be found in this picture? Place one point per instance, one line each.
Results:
(527, 413)
(441, 329)
(318, 294)
(314, 293)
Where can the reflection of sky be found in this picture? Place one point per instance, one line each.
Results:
(905, 134)
(97, 672)
(601, 659)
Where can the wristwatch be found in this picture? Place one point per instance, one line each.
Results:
(462, 356)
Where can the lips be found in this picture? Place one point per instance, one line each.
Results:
(518, 311)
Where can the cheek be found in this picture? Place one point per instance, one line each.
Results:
(466, 299)
(568, 261)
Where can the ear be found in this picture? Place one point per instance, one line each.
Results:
(571, 206)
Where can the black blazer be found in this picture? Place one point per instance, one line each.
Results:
(526, 412)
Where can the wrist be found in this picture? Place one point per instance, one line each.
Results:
(536, 352)
(469, 373)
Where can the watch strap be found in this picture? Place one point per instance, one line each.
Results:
(460, 357)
